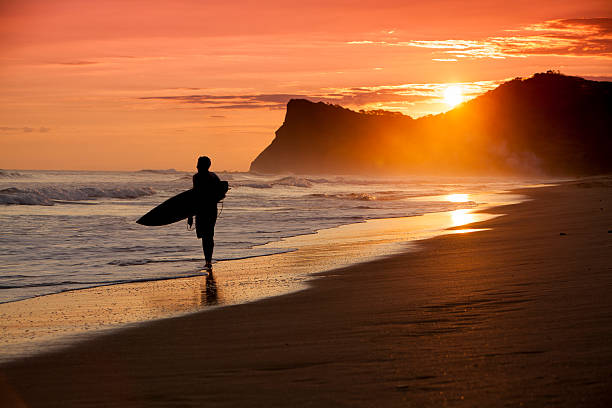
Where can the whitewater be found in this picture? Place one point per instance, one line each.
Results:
(68, 230)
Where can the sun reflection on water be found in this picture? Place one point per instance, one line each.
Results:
(458, 198)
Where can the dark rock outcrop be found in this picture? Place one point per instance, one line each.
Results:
(547, 124)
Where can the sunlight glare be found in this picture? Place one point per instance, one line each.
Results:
(462, 217)
(453, 95)
(457, 198)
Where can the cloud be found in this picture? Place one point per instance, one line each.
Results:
(24, 129)
(371, 97)
(260, 101)
(591, 37)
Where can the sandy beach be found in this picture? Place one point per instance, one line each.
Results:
(519, 314)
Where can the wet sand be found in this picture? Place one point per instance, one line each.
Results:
(517, 315)
(40, 324)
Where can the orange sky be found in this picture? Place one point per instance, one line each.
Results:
(153, 84)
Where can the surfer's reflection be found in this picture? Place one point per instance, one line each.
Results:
(209, 291)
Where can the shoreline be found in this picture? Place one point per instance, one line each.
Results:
(157, 267)
(490, 318)
(56, 321)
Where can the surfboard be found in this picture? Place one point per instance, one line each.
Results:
(172, 210)
(178, 207)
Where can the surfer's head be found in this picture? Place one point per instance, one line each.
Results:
(203, 163)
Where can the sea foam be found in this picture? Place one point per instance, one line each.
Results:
(51, 195)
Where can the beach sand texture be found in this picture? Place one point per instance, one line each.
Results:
(518, 315)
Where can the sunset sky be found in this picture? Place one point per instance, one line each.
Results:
(127, 85)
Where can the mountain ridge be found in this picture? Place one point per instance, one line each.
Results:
(549, 124)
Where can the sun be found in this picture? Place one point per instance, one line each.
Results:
(453, 96)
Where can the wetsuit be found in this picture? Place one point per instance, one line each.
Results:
(204, 183)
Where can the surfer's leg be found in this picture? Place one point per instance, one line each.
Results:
(208, 242)
(204, 246)
(205, 227)
(208, 245)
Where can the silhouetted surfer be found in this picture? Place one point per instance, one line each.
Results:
(205, 182)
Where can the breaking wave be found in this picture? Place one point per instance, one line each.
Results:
(11, 174)
(254, 185)
(379, 196)
(292, 181)
(53, 195)
(289, 181)
(156, 171)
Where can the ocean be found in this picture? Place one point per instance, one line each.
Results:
(67, 230)
(74, 262)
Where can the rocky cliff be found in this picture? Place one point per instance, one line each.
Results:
(546, 124)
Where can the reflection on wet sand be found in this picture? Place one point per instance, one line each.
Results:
(462, 217)
(209, 293)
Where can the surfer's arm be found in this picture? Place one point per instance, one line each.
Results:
(190, 218)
